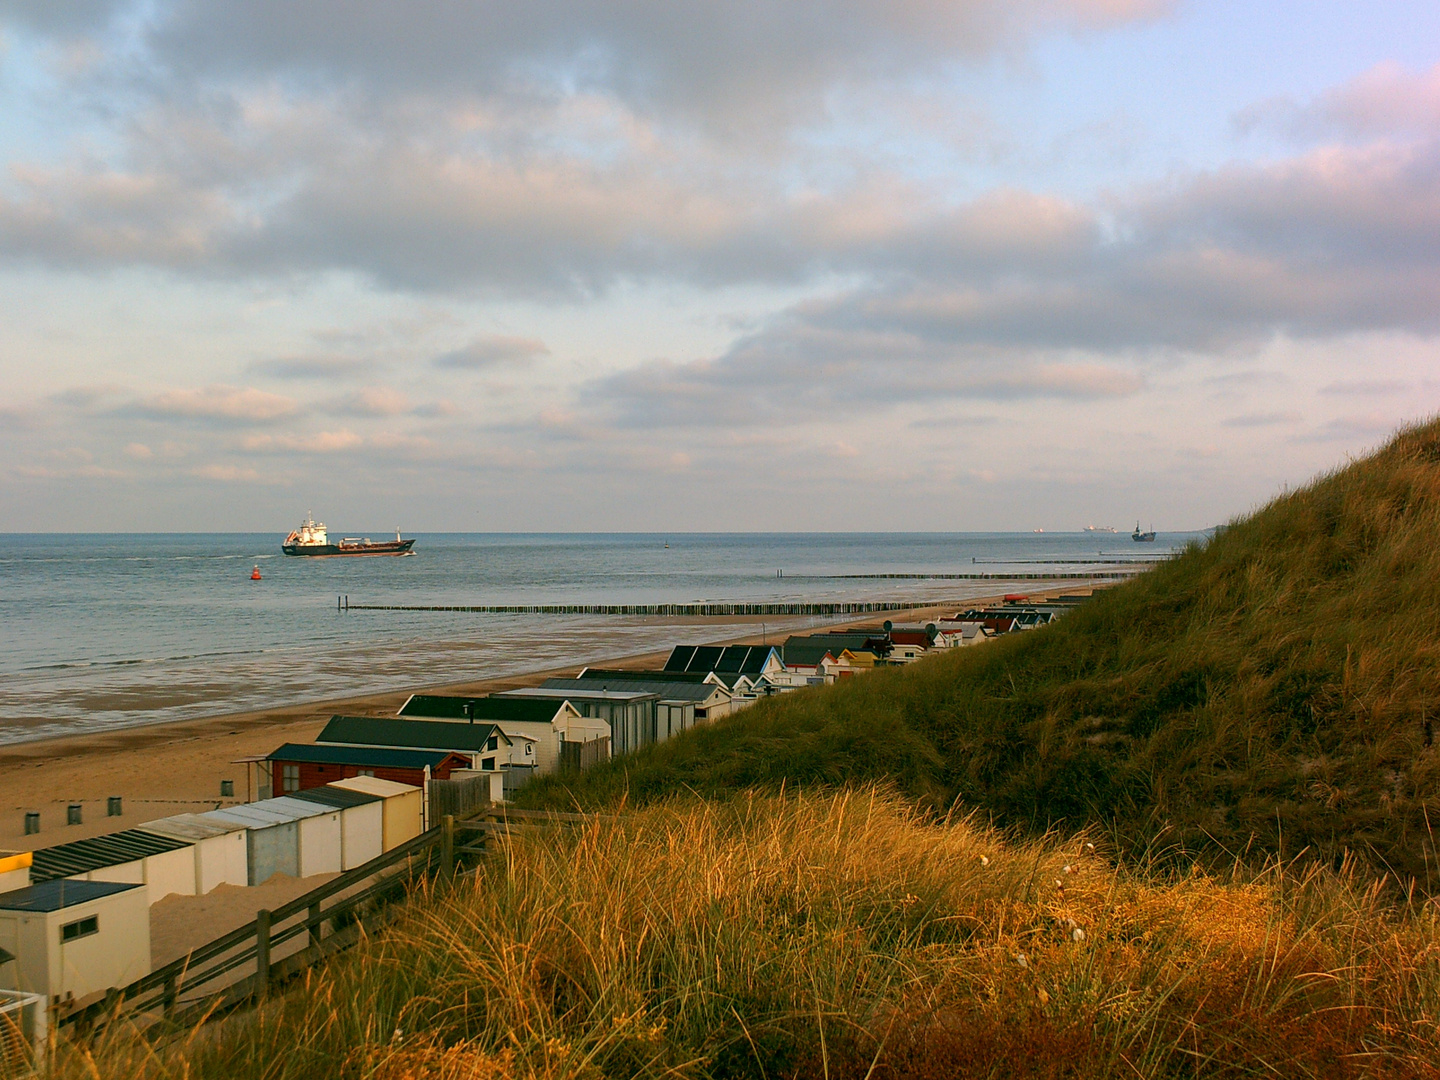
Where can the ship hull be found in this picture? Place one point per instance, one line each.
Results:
(385, 547)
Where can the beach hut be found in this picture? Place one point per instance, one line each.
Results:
(74, 939)
(297, 766)
(362, 821)
(14, 870)
(540, 726)
(219, 848)
(272, 841)
(321, 836)
(685, 698)
(286, 836)
(163, 864)
(402, 807)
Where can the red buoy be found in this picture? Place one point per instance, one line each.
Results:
(255, 574)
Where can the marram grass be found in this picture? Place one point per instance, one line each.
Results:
(841, 935)
(1272, 691)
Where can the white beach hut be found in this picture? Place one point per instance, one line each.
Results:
(321, 836)
(164, 865)
(219, 848)
(272, 841)
(74, 939)
(286, 836)
(403, 806)
(362, 821)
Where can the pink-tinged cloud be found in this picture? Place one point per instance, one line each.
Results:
(1387, 100)
(372, 401)
(226, 474)
(320, 442)
(236, 404)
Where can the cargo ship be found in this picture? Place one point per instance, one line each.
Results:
(1138, 536)
(310, 539)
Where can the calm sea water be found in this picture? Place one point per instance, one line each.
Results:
(102, 631)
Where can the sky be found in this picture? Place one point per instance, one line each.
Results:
(680, 265)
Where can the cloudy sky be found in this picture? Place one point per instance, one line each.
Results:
(687, 265)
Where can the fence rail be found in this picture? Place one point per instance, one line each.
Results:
(242, 966)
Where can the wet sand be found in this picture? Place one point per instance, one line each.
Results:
(163, 769)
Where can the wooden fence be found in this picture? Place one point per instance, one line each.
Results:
(242, 967)
(577, 756)
(458, 798)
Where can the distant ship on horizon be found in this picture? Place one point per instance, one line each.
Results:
(1143, 537)
(311, 539)
(1099, 529)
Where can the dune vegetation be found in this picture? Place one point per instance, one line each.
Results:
(841, 935)
(1271, 691)
(1184, 832)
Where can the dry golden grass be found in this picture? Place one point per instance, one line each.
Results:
(841, 935)
(1271, 691)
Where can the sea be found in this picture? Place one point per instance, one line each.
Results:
(102, 631)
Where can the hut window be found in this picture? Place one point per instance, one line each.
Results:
(364, 772)
(493, 743)
(289, 777)
(488, 763)
(76, 930)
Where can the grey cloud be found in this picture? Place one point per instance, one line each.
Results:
(60, 17)
(1352, 388)
(85, 397)
(217, 403)
(94, 216)
(313, 367)
(1338, 240)
(371, 401)
(1331, 207)
(702, 57)
(1351, 428)
(1258, 420)
(1389, 99)
(797, 370)
(14, 418)
(493, 350)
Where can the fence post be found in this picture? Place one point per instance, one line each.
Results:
(262, 953)
(314, 921)
(447, 846)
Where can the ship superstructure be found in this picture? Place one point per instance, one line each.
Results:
(312, 539)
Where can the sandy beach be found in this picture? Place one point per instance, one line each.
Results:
(171, 768)
(163, 769)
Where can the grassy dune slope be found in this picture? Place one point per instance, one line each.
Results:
(840, 936)
(1270, 690)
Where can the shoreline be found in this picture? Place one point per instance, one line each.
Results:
(176, 766)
